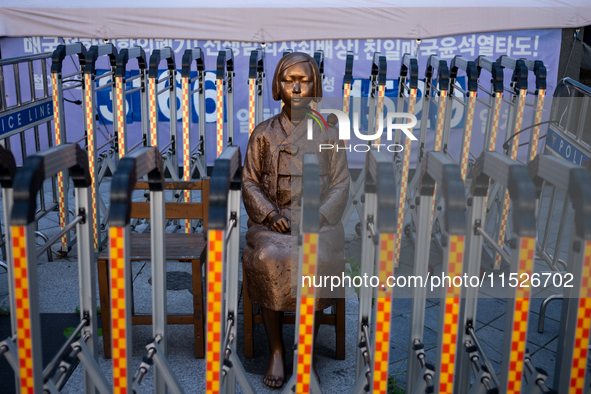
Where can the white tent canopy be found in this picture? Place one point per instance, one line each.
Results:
(268, 21)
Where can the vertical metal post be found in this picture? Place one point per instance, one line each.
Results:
(473, 251)
(173, 123)
(367, 267)
(7, 199)
(419, 293)
(87, 278)
(144, 102)
(159, 304)
(232, 288)
(202, 116)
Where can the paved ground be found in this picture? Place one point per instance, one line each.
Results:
(58, 282)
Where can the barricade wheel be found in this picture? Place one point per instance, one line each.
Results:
(407, 230)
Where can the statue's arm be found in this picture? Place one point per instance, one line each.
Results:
(334, 201)
(257, 203)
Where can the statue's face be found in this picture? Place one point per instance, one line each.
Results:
(297, 85)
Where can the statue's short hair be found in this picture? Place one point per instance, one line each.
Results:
(288, 61)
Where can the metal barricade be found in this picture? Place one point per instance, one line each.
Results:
(155, 88)
(32, 378)
(441, 89)
(409, 75)
(568, 133)
(422, 376)
(566, 138)
(469, 67)
(443, 129)
(514, 121)
(98, 163)
(197, 160)
(28, 112)
(223, 367)
(377, 84)
(377, 247)
(59, 122)
(224, 84)
(573, 339)
(494, 103)
(146, 161)
(513, 176)
(563, 137)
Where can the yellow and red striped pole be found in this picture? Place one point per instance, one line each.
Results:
(495, 121)
(404, 183)
(120, 314)
(89, 89)
(121, 114)
(306, 314)
(220, 116)
(447, 354)
(492, 143)
(520, 317)
(346, 100)
(533, 151)
(513, 155)
(153, 105)
(465, 155)
(383, 314)
(61, 195)
(251, 105)
(214, 357)
(22, 291)
(439, 136)
(380, 109)
(186, 143)
(581, 344)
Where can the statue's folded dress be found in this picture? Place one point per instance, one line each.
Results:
(271, 181)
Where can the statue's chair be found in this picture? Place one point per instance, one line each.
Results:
(179, 246)
(252, 316)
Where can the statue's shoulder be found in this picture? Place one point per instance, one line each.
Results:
(265, 128)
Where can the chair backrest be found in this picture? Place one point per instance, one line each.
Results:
(177, 210)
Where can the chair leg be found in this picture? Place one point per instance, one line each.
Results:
(198, 321)
(103, 279)
(248, 321)
(340, 325)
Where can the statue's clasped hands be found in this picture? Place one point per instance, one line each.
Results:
(279, 223)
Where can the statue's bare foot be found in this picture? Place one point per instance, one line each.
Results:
(275, 375)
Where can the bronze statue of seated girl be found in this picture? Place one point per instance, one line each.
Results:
(271, 188)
